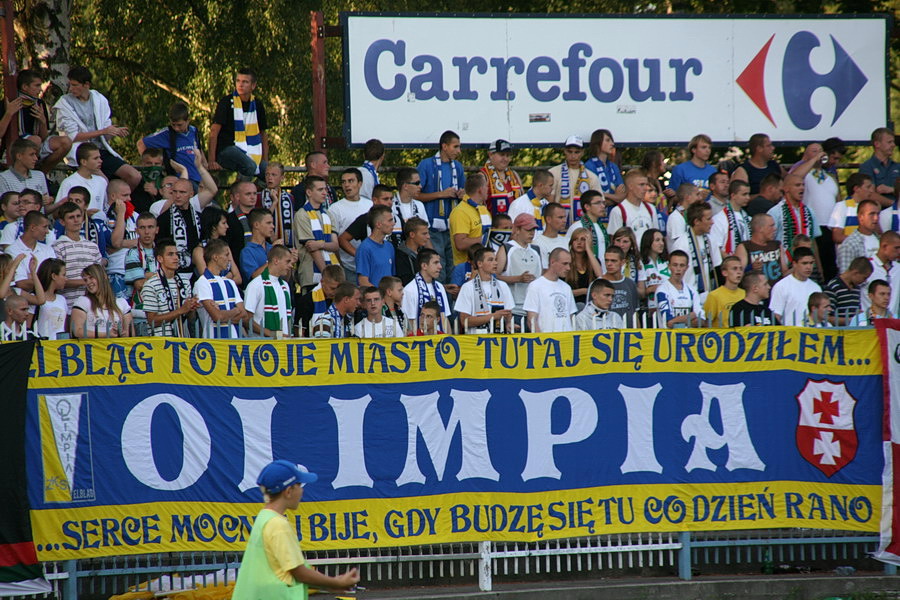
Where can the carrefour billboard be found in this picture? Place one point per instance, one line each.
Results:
(536, 79)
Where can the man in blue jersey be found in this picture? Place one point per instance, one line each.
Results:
(695, 171)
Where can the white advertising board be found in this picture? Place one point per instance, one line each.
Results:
(536, 79)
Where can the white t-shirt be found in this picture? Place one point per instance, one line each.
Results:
(718, 233)
(344, 212)
(880, 271)
(41, 251)
(96, 185)
(254, 302)
(790, 298)
(676, 227)
(10, 234)
(410, 303)
(51, 318)
(553, 302)
(525, 205)
(820, 196)
(497, 295)
(100, 320)
(387, 328)
(638, 218)
(232, 297)
(368, 184)
(546, 245)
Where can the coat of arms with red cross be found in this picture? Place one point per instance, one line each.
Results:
(826, 433)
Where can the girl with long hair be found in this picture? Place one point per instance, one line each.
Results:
(52, 314)
(585, 266)
(624, 239)
(655, 261)
(214, 225)
(99, 314)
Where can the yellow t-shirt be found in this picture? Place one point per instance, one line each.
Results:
(464, 219)
(282, 548)
(718, 305)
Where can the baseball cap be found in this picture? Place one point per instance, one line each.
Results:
(500, 146)
(575, 140)
(281, 474)
(525, 221)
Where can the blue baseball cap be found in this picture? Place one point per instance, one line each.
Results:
(281, 474)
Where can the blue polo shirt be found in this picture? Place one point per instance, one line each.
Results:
(881, 173)
(688, 172)
(253, 256)
(375, 260)
(184, 147)
(436, 180)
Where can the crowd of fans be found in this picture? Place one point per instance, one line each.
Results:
(155, 249)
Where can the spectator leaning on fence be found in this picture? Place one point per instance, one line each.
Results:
(376, 324)
(752, 310)
(596, 313)
(791, 294)
(221, 306)
(549, 303)
(168, 299)
(843, 291)
(879, 293)
(268, 296)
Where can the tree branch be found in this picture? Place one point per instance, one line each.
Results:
(139, 69)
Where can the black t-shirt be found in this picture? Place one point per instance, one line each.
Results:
(745, 314)
(238, 233)
(224, 116)
(359, 228)
(758, 205)
(164, 221)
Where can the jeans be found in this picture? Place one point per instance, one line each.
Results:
(233, 158)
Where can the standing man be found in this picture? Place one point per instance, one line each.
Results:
(634, 211)
(592, 220)
(405, 206)
(731, 226)
(76, 252)
(337, 322)
(280, 203)
(273, 565)
(470, 221)
(317, 243)
(317, 165)
(762, 252)
(485, 301)
(571, 179)
(168, 299)
(752, 310)
(864, 241)
(253, 256)
(703, 255)
(268, 297)
(88, 175)
(761, 163)
(343, 212)
(601, 163)
(822, 194)
(791, 215)
(237, 136)
(884, 266)
(443, 185)
(375, 256)
(554, 234)
(549, 303)
(844, 218)
(718, 192)
(84, 115)
(243, 200)
(415, 238)
(770, 193)
(221, 305)
(373, 153)
(882, 168)
(504, 184)
(695, 171)
(353, 235)
(425, 287)
(37, 226)
(533, 202)
(790, 296)
(677, 302)
(719, 302)
(181, 223)
(519, 262)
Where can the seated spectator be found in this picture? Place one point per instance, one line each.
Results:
(431, 321)
(30, 200)
(585, 267)
(313, 304)
(33, 118)
(677, 302)
(99, 314)
(256, 249)
(864, 241)
(237, 136)
(15, 327)
(791, 294)
(87, 175)
(375, 256)
(11, 209)
(425, 287)
(9, 266)
(549, 303)
(626, 300)
(140, 261)
(596, 313)
(843, 290)
(655, 259)
(51, 319)
(819, 310)
(221, 306)
(718, 303)
(376, 325)
(168, 300)
(214, 226)
(22, 173)
(178, 141)
(553, 236)
(268, 296)
(337, 322)
(485, 303)
(519, 261)
(415, 237)
(752, 310)
(879, 298)
(36, 227)
(391, 289)
(351, 237)
(76, 252)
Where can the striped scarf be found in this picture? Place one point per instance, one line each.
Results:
(271, 315)
(282, 207)
(595, 241)
(792, 225)
(321, 230)
(246, 129)
(503, 188)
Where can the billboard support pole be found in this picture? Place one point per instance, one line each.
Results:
(319, 31)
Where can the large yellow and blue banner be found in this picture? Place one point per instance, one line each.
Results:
(152, 445)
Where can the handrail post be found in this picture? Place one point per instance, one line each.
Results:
(485, 578)
(684, 555)
(70, 590)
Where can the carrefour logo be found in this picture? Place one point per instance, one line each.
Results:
(799, 80)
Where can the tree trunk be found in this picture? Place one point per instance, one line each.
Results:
(44, 35)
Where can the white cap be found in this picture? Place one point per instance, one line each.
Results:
(575, 140)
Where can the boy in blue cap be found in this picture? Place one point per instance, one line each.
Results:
(273, 566)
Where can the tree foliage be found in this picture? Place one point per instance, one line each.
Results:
(146, 55)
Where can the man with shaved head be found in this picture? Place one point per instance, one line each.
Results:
(122, 221)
